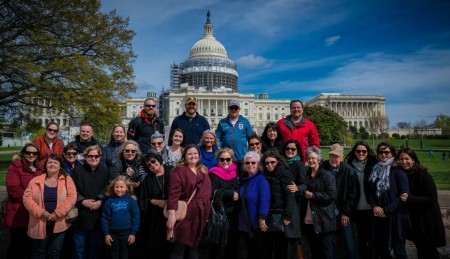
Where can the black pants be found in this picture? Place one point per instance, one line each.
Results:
(20, 244)
(253, 243)
(426, 250)
(274, 242)
(363, 222)
(119, 246)
(232, 247)
(180, 251)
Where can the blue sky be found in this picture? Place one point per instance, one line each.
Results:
(299, 49)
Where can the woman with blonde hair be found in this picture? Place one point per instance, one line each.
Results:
(189, 179)
(48, 198)
(128, 162)
(208, 148)
(117, 137)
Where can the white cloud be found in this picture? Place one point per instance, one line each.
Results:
(253, 61)
(331, 40)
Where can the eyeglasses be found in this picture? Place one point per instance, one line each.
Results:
(52, 130)
(156, 143)
(132, 151)
(254, 144)
(150, 105)
(70, 153)
(383, 152)
(290, 149)
(233, 108)
(152, 161)
(222, 159)
(29, 153)
(271, 162)
(252, 163)
(361, 151)
(93, 156)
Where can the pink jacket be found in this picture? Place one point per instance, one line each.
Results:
(33, 199)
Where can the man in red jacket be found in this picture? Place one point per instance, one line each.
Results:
(297, 127)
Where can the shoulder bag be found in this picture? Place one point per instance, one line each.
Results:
(72, 214)
(180, 213)
(218, 225)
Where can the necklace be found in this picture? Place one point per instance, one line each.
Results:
(161, 185)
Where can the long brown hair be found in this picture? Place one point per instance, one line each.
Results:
(199, 166)
(58, 158)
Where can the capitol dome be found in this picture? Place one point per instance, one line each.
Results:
(208, 45)
(207, 67)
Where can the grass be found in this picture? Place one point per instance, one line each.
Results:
(438, 169)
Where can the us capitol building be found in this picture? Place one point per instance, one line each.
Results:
(210, 76)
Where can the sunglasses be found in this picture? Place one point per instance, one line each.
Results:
(29, 153)
(252, 163)
(93, 156)
(228, 159)
(271, 162)
(383, 152)
(150, 105)
(233, 108)
(254, 144)
(52, 130)
(132, 151)
(70, 153)
(152, 161)
(360, 151)
(156, 143)
(290, 149)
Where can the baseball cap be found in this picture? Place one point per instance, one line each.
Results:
(336, 150)
(234, 102)
(191, 99)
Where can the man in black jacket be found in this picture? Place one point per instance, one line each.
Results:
(85, 140)
(141, 128)
(347, 186)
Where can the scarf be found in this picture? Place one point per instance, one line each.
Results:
(224, 174)
(208, 158)
(359, 165)
(149, 120)
(293, 159)
(380, 173)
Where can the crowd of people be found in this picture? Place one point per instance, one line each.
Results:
(138, 197)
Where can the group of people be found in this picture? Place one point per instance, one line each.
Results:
(280, 198)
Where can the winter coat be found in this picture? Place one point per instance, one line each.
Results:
(425, 213)
(223, 189)
(17, 179)
(192, 128)
(182, 184)
(141, 129)
(45, 150)
(119, 167)
(90, 184)
(234, 137)
(33, 199)
(395, 209)
(323, 187)
(347, 186)
(110, 152)
(304, 132)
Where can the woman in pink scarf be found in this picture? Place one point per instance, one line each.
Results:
(225, 186)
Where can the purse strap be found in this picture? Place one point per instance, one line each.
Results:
(192, 196)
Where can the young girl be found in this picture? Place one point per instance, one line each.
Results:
(120, 218)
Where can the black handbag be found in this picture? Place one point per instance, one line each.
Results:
(274, 221)
(218, 225)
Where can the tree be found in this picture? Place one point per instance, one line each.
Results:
(354, 131)
(378, 123)
(363, 133)
(332, 127)
(442, 121)
(67, 52)
(403, 125)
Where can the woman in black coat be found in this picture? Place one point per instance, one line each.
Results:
(225, 188)
(319, 211)
(272, 138)
(363, 159)
(282, 203)
(427, 229)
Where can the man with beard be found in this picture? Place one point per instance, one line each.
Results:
(190, 122)
(141, 128)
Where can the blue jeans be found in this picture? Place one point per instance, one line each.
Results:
(86, 243)
(348, 234)
(50, 247)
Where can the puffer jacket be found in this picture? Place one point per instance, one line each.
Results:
(33, 200)
(110, 152)
(17, 180)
